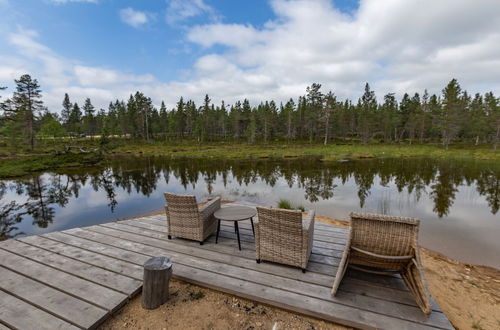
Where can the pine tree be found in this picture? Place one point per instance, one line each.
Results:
(493, 113)
(180, 118)
(450, 115)
(367, 107)
(330, 106)
(288, 117)
(163, 119)
(476, 125)
(75, 120)
(389, 117)
(423, 117)
(88, 117)
(28, 103)
(66, 110)
(314, 108)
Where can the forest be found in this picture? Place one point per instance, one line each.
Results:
(315, 117)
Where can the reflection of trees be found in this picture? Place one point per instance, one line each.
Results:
(9, 216)
(488, 184)
(317, 179)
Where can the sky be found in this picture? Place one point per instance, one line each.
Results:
(259, 49)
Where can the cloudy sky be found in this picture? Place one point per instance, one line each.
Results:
(107, 49)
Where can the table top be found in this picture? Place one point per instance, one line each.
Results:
(235, 213)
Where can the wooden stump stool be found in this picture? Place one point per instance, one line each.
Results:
(157, 274)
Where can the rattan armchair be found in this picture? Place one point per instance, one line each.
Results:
(383, 244)
(185, 219)
(284, 236)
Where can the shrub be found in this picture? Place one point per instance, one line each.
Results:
(285, 204)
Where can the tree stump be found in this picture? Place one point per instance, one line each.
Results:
(157, 274)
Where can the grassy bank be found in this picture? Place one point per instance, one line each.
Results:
(25, 164)
(329, 152)
(15, 162)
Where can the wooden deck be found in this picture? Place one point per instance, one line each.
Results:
(77, 278)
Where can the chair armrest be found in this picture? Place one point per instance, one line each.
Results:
(381, 256)
(308, 221)
(308, 230)
(210, 207)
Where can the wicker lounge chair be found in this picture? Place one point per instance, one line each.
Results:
(185, 219)
(383, 244)
(284, 236)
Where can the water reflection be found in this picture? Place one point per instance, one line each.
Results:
(40, 199)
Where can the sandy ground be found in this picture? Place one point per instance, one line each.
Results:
(469, 295)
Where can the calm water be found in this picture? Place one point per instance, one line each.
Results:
(458, 202)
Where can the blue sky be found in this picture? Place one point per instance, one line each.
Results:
(259, 49)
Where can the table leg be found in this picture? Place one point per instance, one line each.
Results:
(253, 230)
(218, 229)
(237, 233)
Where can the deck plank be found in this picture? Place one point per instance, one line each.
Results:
(271, 280)
(19, 314)
(102, 277)
(90, 292)
(116, 251)
(230, 246)
(64, 306)
(389, 288)
(92, 258)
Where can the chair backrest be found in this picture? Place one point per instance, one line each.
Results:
(382, 234)
(274, 218)
(181, 207)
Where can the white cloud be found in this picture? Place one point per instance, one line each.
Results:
(59, 2)
(58, 75)
(133, 17)
(180, 10)
(396, 46)
(93, 76)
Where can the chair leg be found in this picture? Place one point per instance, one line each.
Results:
(303, 270)
(258, 261)
(169, 237)
(237, 234)
(201, 243)
(218, 230)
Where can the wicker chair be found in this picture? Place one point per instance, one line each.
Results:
(283, 236)
(185, 219)
(383, 244)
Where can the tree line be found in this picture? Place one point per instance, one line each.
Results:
(316, 116)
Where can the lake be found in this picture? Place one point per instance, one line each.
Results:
(457, 201)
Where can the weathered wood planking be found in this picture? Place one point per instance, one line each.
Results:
(21, 315)
(92, 258)
(69, 308)
(90, 292)
(305, 289)
(111, 256)
(103, 278)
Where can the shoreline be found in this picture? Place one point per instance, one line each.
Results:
(468, 294)
(51, 157)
